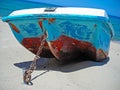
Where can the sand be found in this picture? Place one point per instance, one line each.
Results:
(50, 75)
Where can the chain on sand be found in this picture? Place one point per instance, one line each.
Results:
(27, 74)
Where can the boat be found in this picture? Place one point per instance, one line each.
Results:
(72, 33)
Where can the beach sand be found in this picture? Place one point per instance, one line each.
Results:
(50, 75)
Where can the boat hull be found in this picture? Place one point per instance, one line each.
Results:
(70, 37)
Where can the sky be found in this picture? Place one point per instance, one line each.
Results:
(112, 7)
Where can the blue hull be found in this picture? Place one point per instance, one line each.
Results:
(69, 36)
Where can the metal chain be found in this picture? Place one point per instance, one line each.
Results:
(27, 74)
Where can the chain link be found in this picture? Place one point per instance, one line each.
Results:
(27, 74)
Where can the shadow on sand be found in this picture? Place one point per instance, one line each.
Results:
(52, 64)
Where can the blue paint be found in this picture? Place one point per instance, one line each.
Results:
(81, 32)
(52, 29)
(27, 28)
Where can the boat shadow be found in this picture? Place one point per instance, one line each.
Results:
(53, 64)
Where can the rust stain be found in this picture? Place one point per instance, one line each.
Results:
(14, 27)
(51, 20)
(66, 48)
(101, 55)
(40, 23)
(33, 44)
(57, 44)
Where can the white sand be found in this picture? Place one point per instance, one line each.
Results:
(85, 75)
